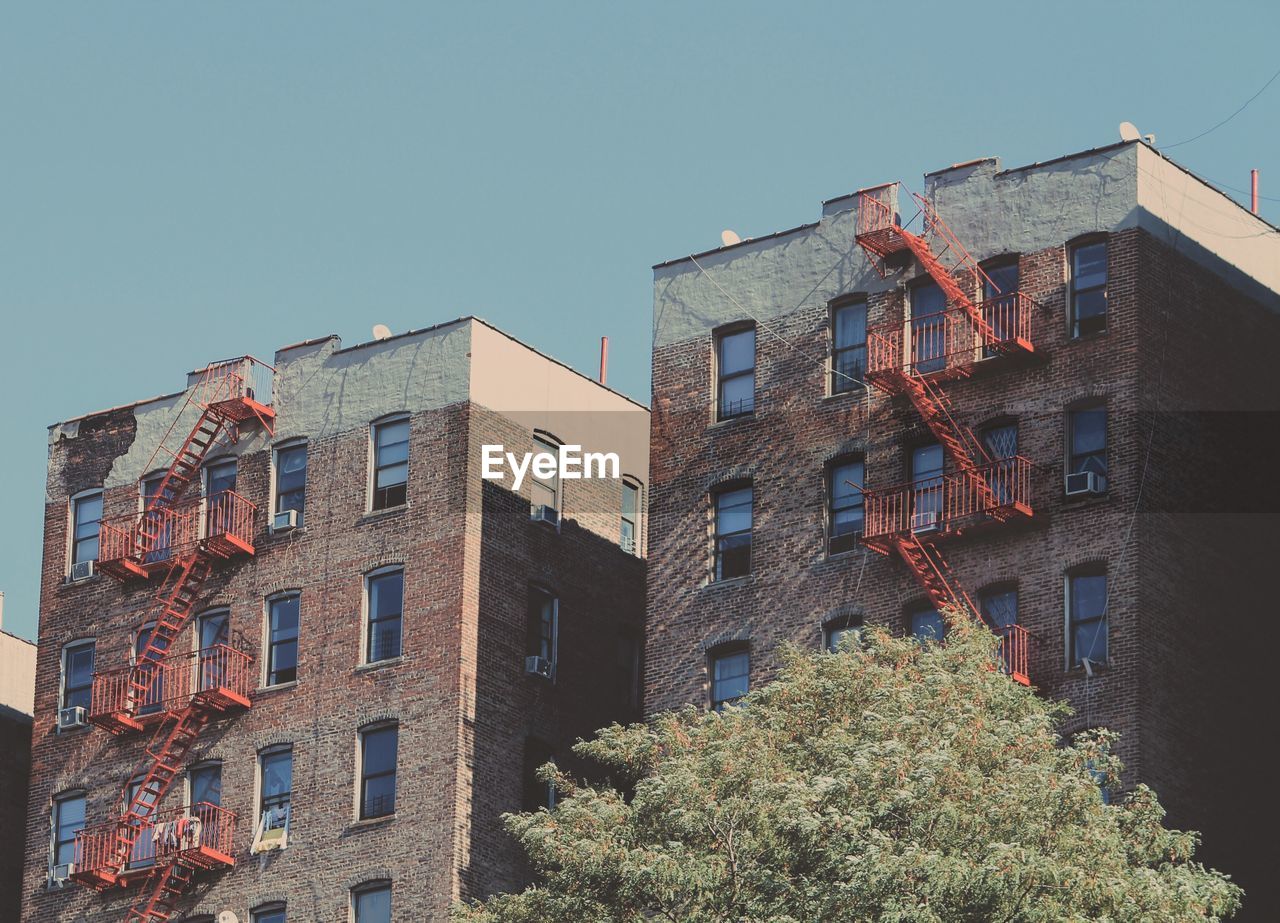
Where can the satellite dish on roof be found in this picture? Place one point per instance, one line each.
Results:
(228, 916)
(1129, 132)
(380, 332)
(729, 238)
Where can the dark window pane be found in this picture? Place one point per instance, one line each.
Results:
(206, 785)
(1003, 280)
(845, 506)
(730, 677)
(220, 477)
(1000, 608)
(928, 625)
(78, 675)
(735, 557)
(277, 786)
(1089, 265)
(737, 396)
(737, 352)
(373, 905)
(378, 762)
(291, 479)
(282, 654)
(68, 820)
(87, 513)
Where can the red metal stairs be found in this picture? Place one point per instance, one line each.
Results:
(226, 394)
(880, 233)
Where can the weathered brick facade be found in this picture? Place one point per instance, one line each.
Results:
(459, 693)
(1186, 567)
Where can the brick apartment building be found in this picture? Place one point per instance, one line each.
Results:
(363, 647)
(1074, 438)
(17, 687)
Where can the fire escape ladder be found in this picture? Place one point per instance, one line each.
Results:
(177, 598)
(160, 895)
(946, 277)
(933, 574)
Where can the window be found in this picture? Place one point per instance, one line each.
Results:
(204, 784)
(273, 913)
(219, 477)
(390, 463)
(68, 820)
(999, 607)
(1088, 288)
(537, 793)
(77, 674)
(927, 624)
(1001, 442)
(143, 852)
(836, 630)
(730, 677)
(149, 490)
(151, 669)
(291, 479)
(733, 533)
(999, 302)
(371, 903)
(1087, 614)
(212, 636)
(927, 487)
(275, 768)
(282, 639)
(844, 505)
(630, 531)
(378, 771)
(543, 627)
(736, 374)
(848, 346)
(385, 602)
(928, 328)
(628, 667)
(544, 491)
(1087, 438)
(86, 513)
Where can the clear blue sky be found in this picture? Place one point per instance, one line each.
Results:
(181, 182)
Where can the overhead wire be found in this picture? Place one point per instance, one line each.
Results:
(1212, 129)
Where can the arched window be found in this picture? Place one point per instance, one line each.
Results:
(389, 457)
(730, 668)
(371, 902)
(1086, 592)
(384, 608)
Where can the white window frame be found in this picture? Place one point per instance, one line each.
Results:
(272, 492)
(55, 804)
(630, 480)
(372, 463)
(545, 442)
(369, 577)
(358, 801)
(257, 786)
(256, 914)
(72, 502)
(264, 676)
(369, 887)
(62, 679)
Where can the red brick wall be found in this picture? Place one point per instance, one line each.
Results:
(444, 840)
(796, 429)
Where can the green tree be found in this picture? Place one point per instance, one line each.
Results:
(892, 781)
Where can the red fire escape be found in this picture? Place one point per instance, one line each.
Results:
(917, 357)
(178, 536)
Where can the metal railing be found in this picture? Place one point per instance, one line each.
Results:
(1014, 652)
(877, 208)
(167, 836)
(171, 683)
(235, 379)
(153, 537)
(949, 338)
(934, 503)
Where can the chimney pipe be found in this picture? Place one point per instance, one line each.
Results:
(1253, 191)
(604, 358)
(1, 608)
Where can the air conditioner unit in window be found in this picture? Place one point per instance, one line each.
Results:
(73, 717)
(925, 521)
(1084, 483)
(82, 570)
(547, 514)
(59, 875)
(538, 666)
(284, 520)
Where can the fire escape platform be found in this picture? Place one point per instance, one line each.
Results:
(977, 523)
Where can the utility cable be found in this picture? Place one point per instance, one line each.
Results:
(1243, 106)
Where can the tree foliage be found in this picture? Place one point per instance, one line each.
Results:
(891, 782)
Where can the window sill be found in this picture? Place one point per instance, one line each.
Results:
(859, 394)
(279, 687)
(72, 730)
(740, 420)
(744, 580)
(94, 577)
(388, 513)
(1087, 337)
(379, 664)
(368, 823)
(286, 533)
